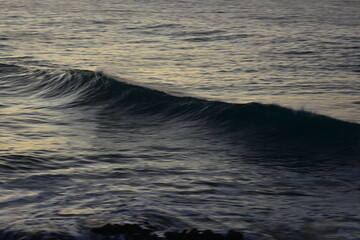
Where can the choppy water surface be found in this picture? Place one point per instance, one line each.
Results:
(156, 112)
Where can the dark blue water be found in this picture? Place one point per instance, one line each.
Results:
(225, 115)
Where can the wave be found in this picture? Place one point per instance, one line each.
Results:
(252, 121)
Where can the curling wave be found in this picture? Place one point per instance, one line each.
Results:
(263, 122)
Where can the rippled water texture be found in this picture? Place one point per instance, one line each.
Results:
(302, 54)
(157, 113)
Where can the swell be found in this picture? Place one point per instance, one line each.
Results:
(252, 121)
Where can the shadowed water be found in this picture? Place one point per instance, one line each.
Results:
(179, 114)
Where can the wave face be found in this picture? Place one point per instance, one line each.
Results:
(255, 122)
(80, 149)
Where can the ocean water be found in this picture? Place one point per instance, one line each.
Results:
(226, 114)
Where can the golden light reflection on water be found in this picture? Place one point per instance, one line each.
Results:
(79, 211)
(27, 129)
(9, 195)
(24, 145)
